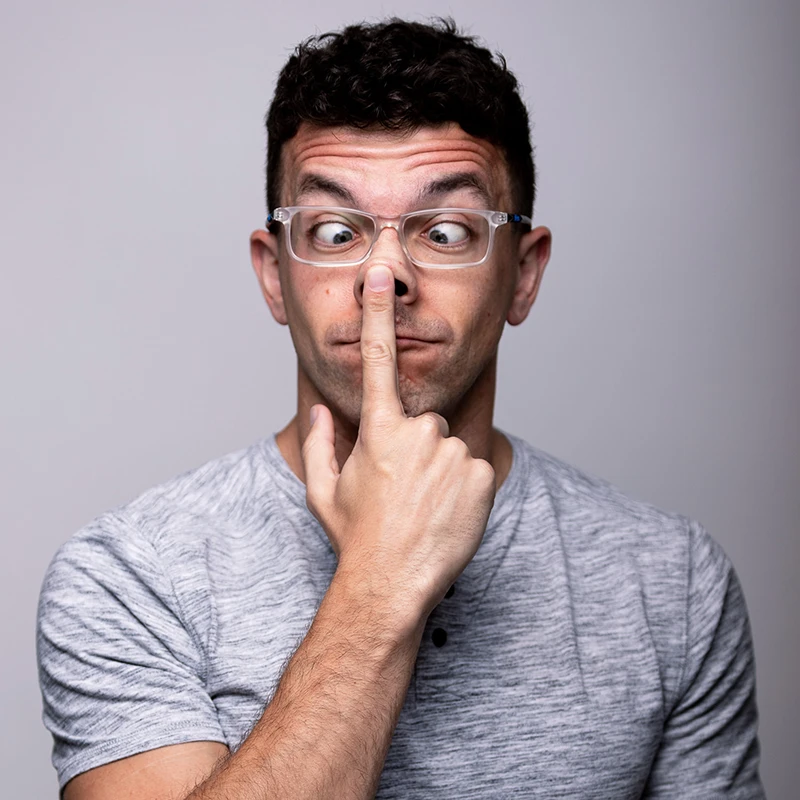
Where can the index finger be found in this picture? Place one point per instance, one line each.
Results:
(380, 389)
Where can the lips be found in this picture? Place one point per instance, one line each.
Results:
(402, 343)
(411, 337)
(401, 338)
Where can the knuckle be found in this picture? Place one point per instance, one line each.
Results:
(444, 427)
(380, 424)
(459, 447)
(380, 303)
(376, 350)
(485, 470)
(431, 423)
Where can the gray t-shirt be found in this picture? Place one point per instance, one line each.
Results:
(595, 647)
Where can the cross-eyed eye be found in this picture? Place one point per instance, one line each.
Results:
(445, 233)
(333, 233)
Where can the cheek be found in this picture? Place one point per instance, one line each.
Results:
(314, 302)
(487, 306)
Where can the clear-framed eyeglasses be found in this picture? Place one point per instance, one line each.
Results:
(440, 238)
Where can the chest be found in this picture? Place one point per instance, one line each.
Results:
(515, 692)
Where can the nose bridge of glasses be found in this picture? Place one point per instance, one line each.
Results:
(387, 222)
(381, 223)
(397, 225)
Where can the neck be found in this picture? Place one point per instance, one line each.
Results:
(470, 421)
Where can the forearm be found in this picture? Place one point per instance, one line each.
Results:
(328, 728)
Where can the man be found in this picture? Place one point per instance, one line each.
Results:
(391, 597)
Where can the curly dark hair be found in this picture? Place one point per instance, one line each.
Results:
(403, 75)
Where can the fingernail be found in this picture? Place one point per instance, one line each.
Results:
(379, 278)
(314, 414)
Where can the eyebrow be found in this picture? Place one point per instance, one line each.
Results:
(316, 183)
(454, 182)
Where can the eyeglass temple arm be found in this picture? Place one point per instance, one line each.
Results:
(519, 218)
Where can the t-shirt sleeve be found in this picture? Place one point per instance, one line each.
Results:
(121, 668)
(710, 746)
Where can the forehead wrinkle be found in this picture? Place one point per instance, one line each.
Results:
(353, 158)
(367, 146)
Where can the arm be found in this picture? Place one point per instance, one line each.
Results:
(710, 745)
(405, 515)
(329, 726)
(325, 733)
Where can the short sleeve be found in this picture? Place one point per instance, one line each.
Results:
(710, 746)
(120, 670)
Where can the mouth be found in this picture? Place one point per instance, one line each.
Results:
(406, 342)
(403, 342)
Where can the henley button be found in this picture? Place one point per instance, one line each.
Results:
(439, 636)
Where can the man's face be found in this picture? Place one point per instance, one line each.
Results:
(448, 321)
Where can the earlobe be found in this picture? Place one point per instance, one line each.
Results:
(264, 255)
(534, 253)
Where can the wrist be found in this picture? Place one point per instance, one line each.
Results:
(394, 617)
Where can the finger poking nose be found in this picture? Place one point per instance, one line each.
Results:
(379, 279)
(380, 396)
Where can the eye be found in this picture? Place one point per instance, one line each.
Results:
(334, 233)
(445, 233)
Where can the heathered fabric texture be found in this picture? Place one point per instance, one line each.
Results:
(596, 646)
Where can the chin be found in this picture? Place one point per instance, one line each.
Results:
(415, 402)
(342, 394)
(416, 405)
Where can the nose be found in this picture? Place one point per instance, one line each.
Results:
(388, 252)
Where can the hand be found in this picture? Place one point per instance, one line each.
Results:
(409, 508)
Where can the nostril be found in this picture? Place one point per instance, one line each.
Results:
(400, 289)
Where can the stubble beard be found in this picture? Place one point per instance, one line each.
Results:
(441, 390)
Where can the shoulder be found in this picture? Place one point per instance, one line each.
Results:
(195, 501)
(155, 545)
(176, 518)
(632, 566)
(622, 551)
(126, 625)
(594, 515)
(574, 490)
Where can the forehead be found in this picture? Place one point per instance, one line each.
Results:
(386, 167)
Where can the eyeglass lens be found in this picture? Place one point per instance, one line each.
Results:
(445, 238)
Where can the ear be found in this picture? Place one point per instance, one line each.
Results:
(264, 255)
(534, 253)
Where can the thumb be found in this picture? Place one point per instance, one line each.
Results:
(319, 458)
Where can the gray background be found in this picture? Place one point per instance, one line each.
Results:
(661, 353)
